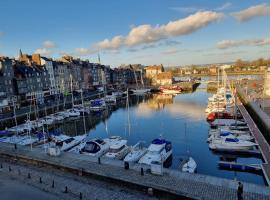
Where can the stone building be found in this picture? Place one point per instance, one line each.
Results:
(6, 83)
(164, 78)
(151, 73)
(31, 82)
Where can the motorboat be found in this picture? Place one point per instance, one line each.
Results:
(231, 144)
(118, 150)
(47, 120)
(97, 105)
(227, 129)
(224, 135)
(82, 110)
(158, 151)
(21, 140)
(73, 112)
(190, 166)
(110, 99)
(65, 142)
(16, 129)
(57, 117)
(96, 147)
(173, 90)
(140, 91)
(64, 114)
(227, 122)
(137, 151)
(117, 93)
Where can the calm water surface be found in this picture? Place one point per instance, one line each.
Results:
(168, 116)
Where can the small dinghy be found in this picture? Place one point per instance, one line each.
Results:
(190, 166)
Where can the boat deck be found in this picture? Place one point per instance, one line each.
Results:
(260, 140)
(173, 182)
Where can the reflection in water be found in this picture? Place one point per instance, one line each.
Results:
(159, 102)
(157, 114)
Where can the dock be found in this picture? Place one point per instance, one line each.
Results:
(260, 140)
(240, 166)
(173, 183)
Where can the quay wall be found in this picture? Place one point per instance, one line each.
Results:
(258, 115)
(52, 163)
(188, 86)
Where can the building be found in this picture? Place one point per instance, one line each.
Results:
(48, 63)
(213, 70)
(31, 82)
(151, 73)
(6, 83)
(164, 78)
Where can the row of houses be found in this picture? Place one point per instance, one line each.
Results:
(37, 77)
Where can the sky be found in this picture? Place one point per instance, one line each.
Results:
(168, 32)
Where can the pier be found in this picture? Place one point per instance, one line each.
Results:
(173, 183)
(260, 140)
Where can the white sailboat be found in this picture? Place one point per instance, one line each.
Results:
(190, 165)
(139, 91)
(137, 151)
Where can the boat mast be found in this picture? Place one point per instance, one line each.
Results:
(15, 117)
(71, 88)
(84, 125)
(142, 82)
(187, 149)
(135, 75)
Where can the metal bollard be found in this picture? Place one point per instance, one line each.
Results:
(66, 190)
(9, 168)
(15, 146)
(99, 160)
(40, 180)
(80, 195)
(126, 164)
(53, 184)
(29, 175)
(150, 191)
(142, 173)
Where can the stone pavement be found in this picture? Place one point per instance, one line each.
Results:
(53, 182)
(173, 182)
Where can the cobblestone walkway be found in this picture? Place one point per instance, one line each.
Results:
(191, 185)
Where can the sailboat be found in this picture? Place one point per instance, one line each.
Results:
(190, 165)
(139, 91)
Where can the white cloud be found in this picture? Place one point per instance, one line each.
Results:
(196, 9)
(84, 51)
(43, 51)
(46, 48)
(144, 34)
(225, 44)
(49, 44)
(252, 12)
(224, 6)
(170, 51)
(187, 9)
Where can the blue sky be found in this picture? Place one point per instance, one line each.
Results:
(200, 31)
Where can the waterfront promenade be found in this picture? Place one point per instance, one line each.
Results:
(260, 140)
(174, 184)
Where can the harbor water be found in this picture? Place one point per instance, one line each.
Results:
(180, 119)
